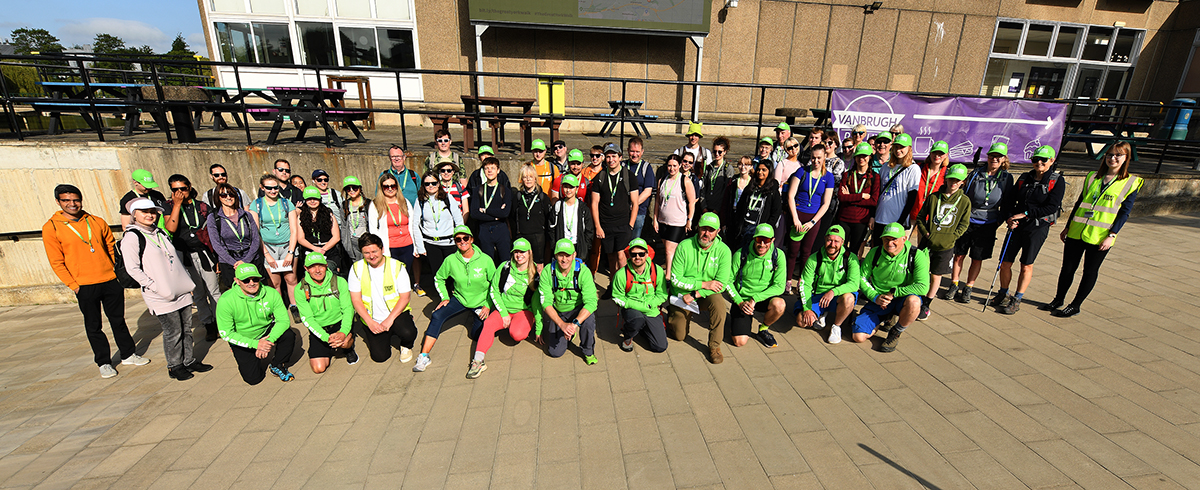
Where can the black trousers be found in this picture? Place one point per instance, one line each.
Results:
(110, 297)
(1093, 258)
(402, 334)
(250, 366)
(494, 240)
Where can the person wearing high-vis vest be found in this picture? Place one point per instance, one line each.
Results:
(894, 276)
(327, 312)
(1100, 212)
(639, 290)
(829, 286)
(379, 290)
(472, 272)
(758, 285)
(254, 321)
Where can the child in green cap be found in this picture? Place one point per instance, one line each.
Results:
(943, 218)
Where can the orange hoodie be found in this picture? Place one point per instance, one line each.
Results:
(71, 257)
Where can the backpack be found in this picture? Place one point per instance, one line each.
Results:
(504, 272)
(746, 254)
(307, 288)
(575, 280)
(629, 280)
(1051, 218)
(123, 277)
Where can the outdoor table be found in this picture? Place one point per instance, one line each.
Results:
(75, 96)
(1119, 129)
(473, 104)
(229, 95)
(312, 106)
(363, 85)
(627, 109)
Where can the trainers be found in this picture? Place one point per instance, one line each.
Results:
(589, 360)
(820, 323)
(477, 368)
(1011, 306)
(835, 334)
(1000, 301)
(419, 290)
(210, 332)
(893, 339)
(767, 339)
(351, 357)
(1053, 305)
(423, 361)
(135, 360)
(281, 373)
(951, 291)
(199, 367)
(715, 356)
(405, 354)
(924, 314)
(180, 373)
(1066, 311)
(107, 371)
(627, 345)
(963, 295)
(295, 313)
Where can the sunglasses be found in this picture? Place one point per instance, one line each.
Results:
(355, 188)
(539, 150)
(224, 195)
(177, 189)
(1039, 160)
(462, 239)
(271, 187)
(637, 254)
(860, 132)
(597, 155)
(559, 147)
(431, 184)
(763, 239)
(321, 179)
(390, 186)
(443, 140)
(219, 174)
(792, 147)
(252, 280)
(283, 169)
(446, 170)
(719, 152)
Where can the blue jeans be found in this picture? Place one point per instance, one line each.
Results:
(452, 309)
(637, 225)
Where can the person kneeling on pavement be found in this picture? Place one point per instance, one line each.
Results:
(894, 276)
(567, 290)
(758, 286)
(830, 279)
(380, 290)
(700, 272)
(639, 290)
(326, 310)
(254, 320)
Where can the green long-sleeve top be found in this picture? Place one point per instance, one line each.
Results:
(511, 297)
(242, 320)
(943, 219)
(763, 277)
(323, 309)
(892, 272)
(692, 265)
(641, 296)
(472, 278)
(566, 297)
(840, 274)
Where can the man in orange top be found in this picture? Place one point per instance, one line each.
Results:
(547, 171)
(80, 249)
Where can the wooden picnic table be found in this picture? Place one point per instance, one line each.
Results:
(311, 106)
(627, 110)
(79, 97)
(229, 95)
(497, 117)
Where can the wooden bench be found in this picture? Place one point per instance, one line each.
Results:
(57, 106)
(789, 114)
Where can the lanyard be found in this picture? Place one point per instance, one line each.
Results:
(276, 221)
(437, 213)
(1092, 198)
(237, 232)
(355, 218)
(395, 219)
(612, 187)
(195, 217)
(487, 200)
(89, 238)
(937, 220)
(667, 191)
(928, 182)
(158, 240)
(712, 178)
(528, 204)
(859, 183)
(569, 221)
(403, 180)
(811, 185)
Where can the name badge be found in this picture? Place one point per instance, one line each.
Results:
(1088, 214)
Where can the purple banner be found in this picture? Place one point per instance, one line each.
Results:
(965, 123)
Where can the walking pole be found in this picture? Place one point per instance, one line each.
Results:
(1003, 250)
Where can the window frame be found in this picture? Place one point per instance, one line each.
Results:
(1075, 63)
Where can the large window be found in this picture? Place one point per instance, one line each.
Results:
(254, 43)
(1038, 59)
(317, 43)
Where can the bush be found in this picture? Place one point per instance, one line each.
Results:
(21, 80)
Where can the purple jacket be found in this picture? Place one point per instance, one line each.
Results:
(223, 234)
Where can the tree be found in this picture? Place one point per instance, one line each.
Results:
(27, 40)
(179, 47)
(107, 43)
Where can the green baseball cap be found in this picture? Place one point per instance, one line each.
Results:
(246, 271)
(796, 236)
(902, 139)
(764, 230)
(893, 230)
(486, 150)
(783, 126)
(696, 129)
(521, 245)
(957, 171)
(863, 148)
(836, 230)
(142, 176)
(1044, 151)
(884, 135)
(639, 243)
(571, 180)
(537, 145)
(941, 146)
(311, 192)
(463, 230)
(564, 246)
(710, 220)
(575, 156)
(767, 140)
(1000, 148)
(314, 259)
(350, 180)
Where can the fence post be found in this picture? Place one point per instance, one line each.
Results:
(87, 90)
(158, 90)
(400, 103)
(762, 99)
(9, 108)
(237, 77)
(621, 111)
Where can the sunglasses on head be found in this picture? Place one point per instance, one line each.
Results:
(431, 184)
(462, 239)
(271, 187)
(443, 140)
(390, 186)
(637, 254)
(321, 179)
(283, 169)
(219, 174)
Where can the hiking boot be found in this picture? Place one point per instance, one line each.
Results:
(351, 357)
(924, 314)
(627, 345)
(963, 295)
(107, 371)
(886, 325)
(1000, 302)
(210, 332)
(893, 339)
(715, 356)
(951, 291)
(590, 360)
(281, 373)
(1011, 306)
(1053, 305)
(135, 360)
(477, 368)
(180, 373)
(767, 339)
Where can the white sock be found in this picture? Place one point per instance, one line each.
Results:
(479, 356)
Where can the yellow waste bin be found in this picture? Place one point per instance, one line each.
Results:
(551, 94)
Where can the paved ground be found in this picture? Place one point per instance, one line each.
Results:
(1108, 399)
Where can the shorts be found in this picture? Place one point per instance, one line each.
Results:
(815, 304)
(1028, 241)
(318, 348)
(615, 241)
(978, 242)
(670, 233)
(742, 324)
(279, 253)
(941, 262)
(872, 314)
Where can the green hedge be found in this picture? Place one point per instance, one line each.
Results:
(21, 80)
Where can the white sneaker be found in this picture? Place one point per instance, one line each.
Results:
(107, 371)
(422, 363)
(135, 360)
(835, 334)
(820, 323)
(405, 354)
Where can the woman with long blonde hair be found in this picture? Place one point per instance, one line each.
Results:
(388, 218)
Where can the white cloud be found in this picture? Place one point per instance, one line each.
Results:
(197, 42)
(133, 32)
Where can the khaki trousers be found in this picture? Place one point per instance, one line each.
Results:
(679, 320)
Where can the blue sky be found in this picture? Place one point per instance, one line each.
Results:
(138, 22)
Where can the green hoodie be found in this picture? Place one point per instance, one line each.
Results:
(763, 277)
(840, 275)
(243, 320)
(943, 219)
(691, 266)
(510, 298)
(640, 296)
(324, 309)
(566, 298)
(472, 278)
(890, 273)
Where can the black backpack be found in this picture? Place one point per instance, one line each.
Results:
(123, 277)
(507, 266)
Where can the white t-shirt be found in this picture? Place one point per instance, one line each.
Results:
(379, 309)
(893, 196)
(571, 221)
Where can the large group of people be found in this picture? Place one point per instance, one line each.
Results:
(823, 221)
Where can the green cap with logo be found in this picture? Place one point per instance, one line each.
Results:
(350, 180)
(884, 136)
(537, 145)
(794, 235)
(783, 126)
(638, 243)
(863, 148)
(571, 180)
(575, 156)
(836, 230)
(314, 259)
(463, 230)
(766, 140)
(941, 146)
(893, 230)
(957, 171)
(710, 220)
(142, 176)
(486, 150)
(902, 139)
(564, 246)
(246, 271)
(311, 192)
(521, 245)
(695, 128)
(764, 230)
(999, 148)
(1044, 151)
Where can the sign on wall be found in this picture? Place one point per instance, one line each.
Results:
(665, 16)
(965, 123)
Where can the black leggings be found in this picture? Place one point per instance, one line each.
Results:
(249, 365)
(225, 274)
(402, 334)
(494, 240)
(856, 234)
(1092, 256)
